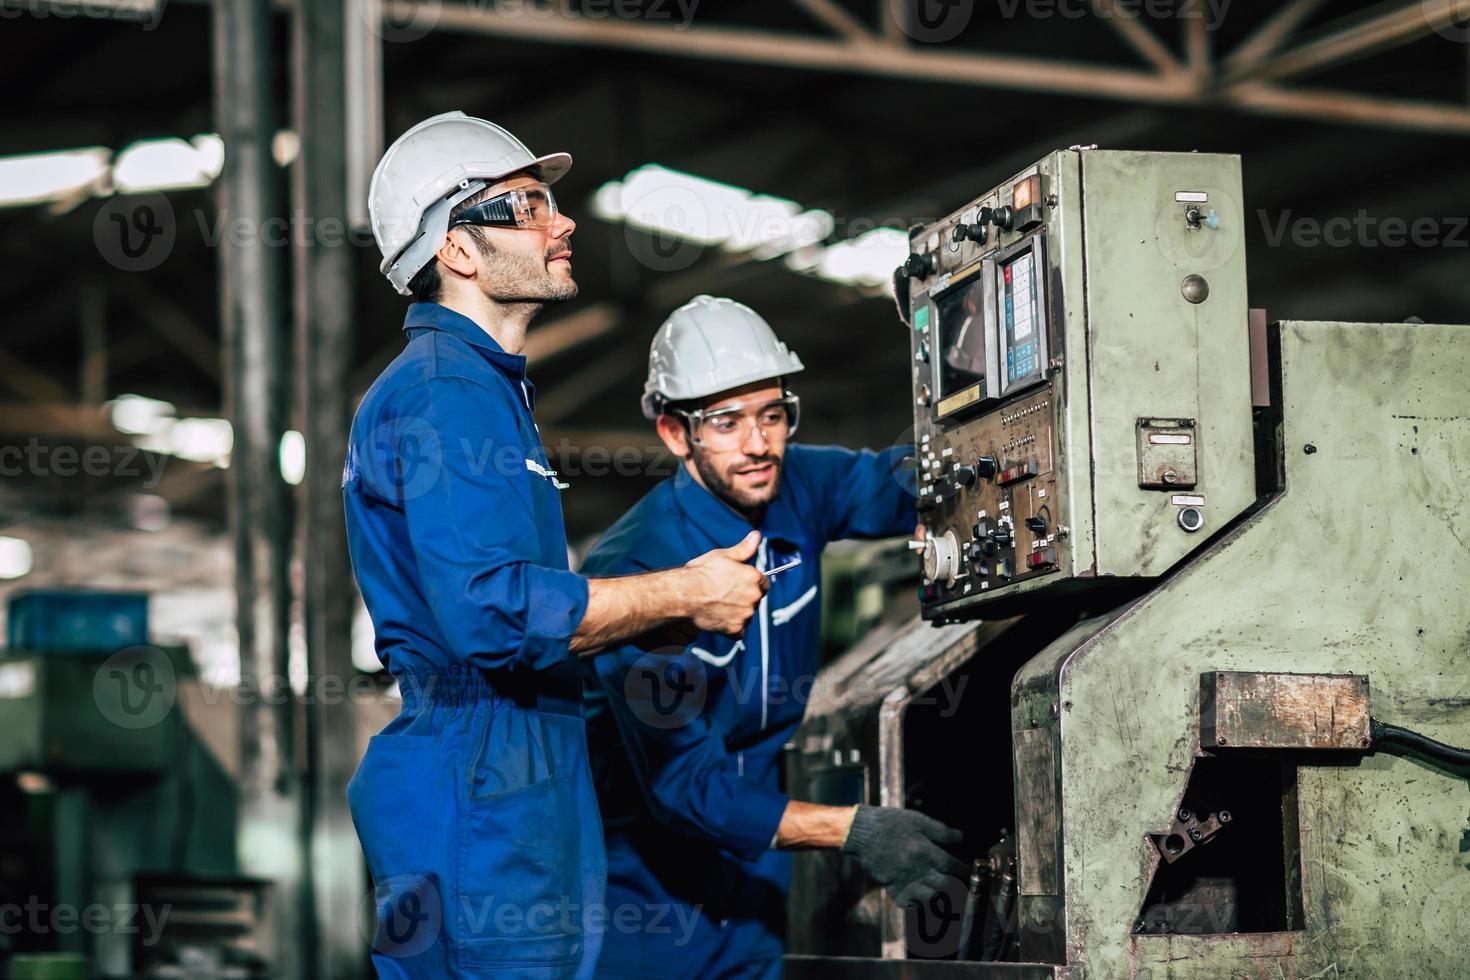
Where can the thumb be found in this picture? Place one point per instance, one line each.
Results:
(745, 549)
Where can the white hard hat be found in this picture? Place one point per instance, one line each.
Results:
(710, 345)
(431, 168)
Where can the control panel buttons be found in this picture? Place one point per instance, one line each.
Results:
(964, 475)
(921, 265)
(986, 467)
(1017, 473)
(1036, 525)
(942, 558)
(1043, 559)
(1003, 217)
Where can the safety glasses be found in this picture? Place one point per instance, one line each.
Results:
(531, 206)
(726, 428)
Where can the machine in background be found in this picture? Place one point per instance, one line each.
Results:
(1198, 581)
(117, 823)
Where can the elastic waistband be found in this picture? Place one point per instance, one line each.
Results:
(557, 691)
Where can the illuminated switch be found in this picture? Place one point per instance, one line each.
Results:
(1017, 473)
(1045, 558)
(1003, 568)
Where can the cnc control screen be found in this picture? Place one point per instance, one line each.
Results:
(961, 338)
(1022, 317)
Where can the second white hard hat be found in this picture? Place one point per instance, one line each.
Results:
(710, 345)
(431, 168)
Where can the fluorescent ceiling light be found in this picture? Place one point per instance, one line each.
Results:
(16, 558)
(709, 212)
(202, 440)
(39, 177)
(154, 165)
(867, 260)
(140, 416)
(293, 457)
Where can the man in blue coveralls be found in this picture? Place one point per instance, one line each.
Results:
(475, 807)
(695, 821)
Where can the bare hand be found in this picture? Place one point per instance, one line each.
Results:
(725, 589)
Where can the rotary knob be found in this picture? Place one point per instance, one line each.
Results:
(922, 265)
(1003, 217)
(986, 467)
(942, 558)
(964, 475)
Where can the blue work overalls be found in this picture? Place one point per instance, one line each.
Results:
(475, 805)
(686, 748)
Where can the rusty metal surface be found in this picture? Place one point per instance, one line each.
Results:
(1188, 831)
(1355, 568)
(1242, 709)
(1037, 812)
(1167, 454)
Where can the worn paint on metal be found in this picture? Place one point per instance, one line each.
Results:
(1357, 568)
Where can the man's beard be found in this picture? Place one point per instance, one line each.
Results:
(749, 503)
(514, 277)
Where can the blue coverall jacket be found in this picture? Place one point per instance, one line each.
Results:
(475, 805)
(686, 749)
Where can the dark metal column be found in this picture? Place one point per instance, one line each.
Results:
(325, 295)
(252, 312)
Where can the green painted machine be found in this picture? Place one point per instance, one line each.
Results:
(1202, 662)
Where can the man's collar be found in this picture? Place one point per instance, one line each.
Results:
(722, 523)
(433, 316)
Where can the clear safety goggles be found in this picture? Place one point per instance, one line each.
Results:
(726, 428)
(531, 206)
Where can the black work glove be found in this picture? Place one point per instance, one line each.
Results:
(901, 850)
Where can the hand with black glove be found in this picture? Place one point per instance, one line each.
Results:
(901, 850)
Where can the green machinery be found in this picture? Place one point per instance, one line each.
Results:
(1201, 656)
(117, 827)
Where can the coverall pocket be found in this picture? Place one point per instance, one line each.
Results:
(519, 885)
(513, 752)
(519, 869)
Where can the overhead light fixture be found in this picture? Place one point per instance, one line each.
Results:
(709, 212)
(36, 178)
(866, 261)
(169, 164)
(293, 457)
(140, 416)
(16, 558)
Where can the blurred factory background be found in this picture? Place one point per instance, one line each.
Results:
(192, 309)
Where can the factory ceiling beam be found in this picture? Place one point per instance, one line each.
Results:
(1342, 43)
(992, 70)
(1142, 40)
(1270, 36)
(838, 20)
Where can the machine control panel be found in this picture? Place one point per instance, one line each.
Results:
(1075, 339)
